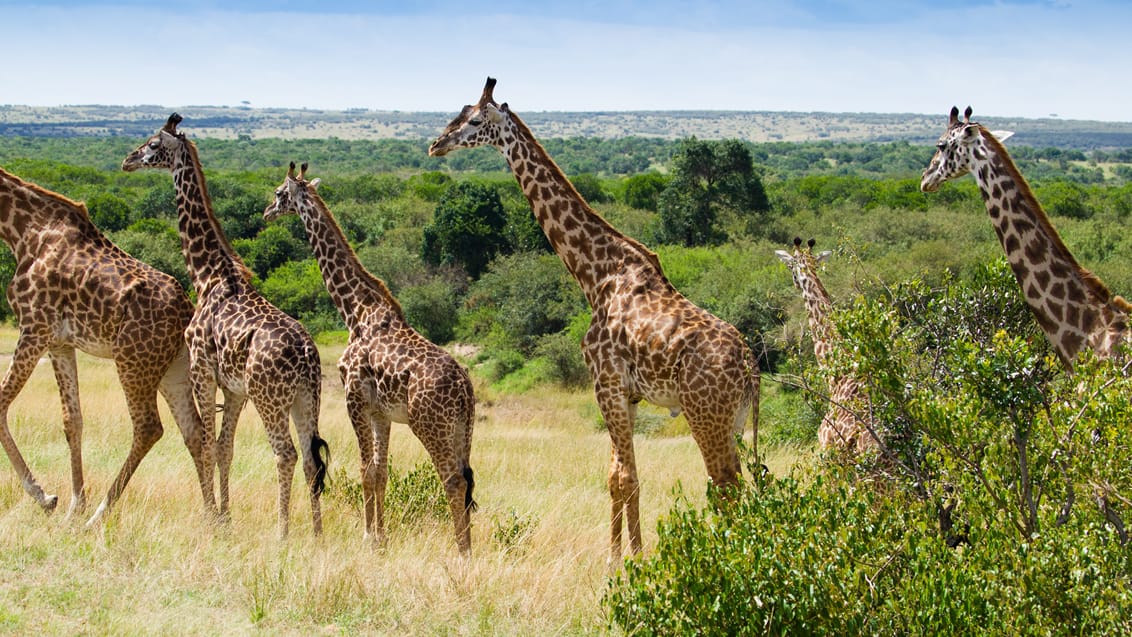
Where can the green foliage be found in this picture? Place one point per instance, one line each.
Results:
(710, 179)
(410, 496)
(590, 188)
(296, 287)
(1063, 199)
(156, 242)
(108, 212)
(513, 531)
(272, 248)
(564, 354)
(521, 298)
(429, 186)
(643, 190)
(431, 308)
(467, 228)
(988, 522)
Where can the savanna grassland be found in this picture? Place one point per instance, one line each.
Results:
(159, 566)
(982, 519)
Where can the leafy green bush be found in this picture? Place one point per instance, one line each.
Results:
(431, 309)
(564, 353)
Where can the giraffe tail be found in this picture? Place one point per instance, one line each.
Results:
(320, 451)
(469, 503)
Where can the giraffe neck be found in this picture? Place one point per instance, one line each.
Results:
(1072, 306)
(208, 255)
(26, 210)
(355, 292)
(818, 307)
(592, 250)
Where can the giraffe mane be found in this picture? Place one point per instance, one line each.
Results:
(371, 281)
(1091, 281)
(228, 249)
(556, 171)
(78, 206)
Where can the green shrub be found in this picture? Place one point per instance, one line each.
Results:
(564, 353)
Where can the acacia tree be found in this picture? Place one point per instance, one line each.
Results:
(467, 228)
(709, 179)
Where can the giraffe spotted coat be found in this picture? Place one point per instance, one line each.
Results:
(645, 340)
(237, 340)
(389, 370)
(74, 289)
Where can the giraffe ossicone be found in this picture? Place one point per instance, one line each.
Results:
(389, 370)
(646, 341)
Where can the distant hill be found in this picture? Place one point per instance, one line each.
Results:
(757, 126)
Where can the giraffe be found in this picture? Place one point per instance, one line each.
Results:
(645, 340)
(841, 427)
(390, 371)
(74, 289)
(1071, 304)
(237, 340)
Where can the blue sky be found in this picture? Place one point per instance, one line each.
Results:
(1025, 58)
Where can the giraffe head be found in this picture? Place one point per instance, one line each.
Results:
(157, 151)
(292, 195)
(957, 149)
(803, 263)
(477, 124)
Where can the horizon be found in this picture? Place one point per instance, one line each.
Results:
(808, 56)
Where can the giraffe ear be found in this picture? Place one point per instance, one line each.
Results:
(492, 114)
(1002, 135)
(785, 257)
(314, 183)
(823, 255)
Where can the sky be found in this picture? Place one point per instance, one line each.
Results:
(1007, 58)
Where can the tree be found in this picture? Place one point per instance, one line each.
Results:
(643, 191)
(108, 212)
(467, 228)
(710, 178)
(589, 187)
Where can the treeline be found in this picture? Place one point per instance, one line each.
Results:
(610, 158)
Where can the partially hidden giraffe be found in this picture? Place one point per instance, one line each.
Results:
(646, 341)
(74, 289)
(843, 426)
(390, 371)
(238, 340)
(1072, 305)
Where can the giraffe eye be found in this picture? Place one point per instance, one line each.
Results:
(475, 121)
(154, 144)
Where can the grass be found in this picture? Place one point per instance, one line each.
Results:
(159, 567)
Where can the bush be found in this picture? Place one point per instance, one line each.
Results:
(564, 353)
(431, 310)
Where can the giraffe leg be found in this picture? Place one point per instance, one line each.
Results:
(29, 348)
(279, 435)
(624, 490)
(67, 378)
(373, 470)
(375, 479)
(204, 394)
(226, 443)
(141, 399)
(304, 412)
(200, 439)
(449, 464)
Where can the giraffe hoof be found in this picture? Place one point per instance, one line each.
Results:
(49, 503)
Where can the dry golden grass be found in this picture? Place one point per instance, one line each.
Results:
(159, 567)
